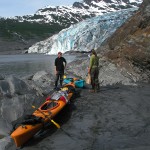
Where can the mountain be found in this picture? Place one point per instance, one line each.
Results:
(67, 15)
(20, 32)
(85, 35)
(129, 46)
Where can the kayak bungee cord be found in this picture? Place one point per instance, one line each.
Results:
(56, 124)
(51, 120)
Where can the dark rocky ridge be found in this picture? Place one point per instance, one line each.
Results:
(129, 46)
(8, 47)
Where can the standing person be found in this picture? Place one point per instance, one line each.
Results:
(93, 70)
(60, 65)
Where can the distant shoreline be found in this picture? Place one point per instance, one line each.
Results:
(15, 52)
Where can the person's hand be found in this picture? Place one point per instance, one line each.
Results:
(55, 72)
(89, 70)
(65, 66)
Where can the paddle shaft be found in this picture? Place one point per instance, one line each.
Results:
(56, 124)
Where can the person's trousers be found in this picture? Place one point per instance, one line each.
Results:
(59, 77)
(94, 78)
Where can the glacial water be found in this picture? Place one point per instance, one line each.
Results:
(27, 64)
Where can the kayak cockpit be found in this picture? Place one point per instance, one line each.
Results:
(49, 105)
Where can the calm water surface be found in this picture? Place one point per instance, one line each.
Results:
(26, 64)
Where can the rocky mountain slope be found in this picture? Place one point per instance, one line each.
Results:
(20, 32)
(130, 47)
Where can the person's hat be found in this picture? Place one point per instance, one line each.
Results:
(93, 51)
(59, 52)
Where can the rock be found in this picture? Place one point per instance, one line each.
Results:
(42, 82)
(17, 86)
(1, 77)
(5, 142)
(39, 75)
(16, 98)
(4, 87)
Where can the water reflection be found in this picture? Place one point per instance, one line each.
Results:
(22, 65)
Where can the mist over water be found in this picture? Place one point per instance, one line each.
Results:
(22, 65)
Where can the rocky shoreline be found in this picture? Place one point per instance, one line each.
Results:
(117, 117)
(20, 94)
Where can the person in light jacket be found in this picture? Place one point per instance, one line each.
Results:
(93, 70)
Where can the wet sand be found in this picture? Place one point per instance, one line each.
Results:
(116, 118)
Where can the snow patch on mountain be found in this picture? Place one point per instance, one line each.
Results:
(78, 11)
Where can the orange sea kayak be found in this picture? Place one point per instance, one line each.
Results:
(54, 104)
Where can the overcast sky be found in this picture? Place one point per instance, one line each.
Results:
(10, 8)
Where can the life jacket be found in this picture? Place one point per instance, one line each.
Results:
(31, 119)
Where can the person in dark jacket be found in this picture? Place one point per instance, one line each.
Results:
(60, 65)
(93, 70)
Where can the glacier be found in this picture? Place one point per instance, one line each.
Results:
(85, 35)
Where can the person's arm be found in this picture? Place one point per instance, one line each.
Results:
(55, 64)
(91, 64)
(65, 63)
(55, 71)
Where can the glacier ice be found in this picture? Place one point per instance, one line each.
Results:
(85, 35)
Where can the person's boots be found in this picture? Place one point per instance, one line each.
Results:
(98, 87)
(61, 81)
(95, 89)
(55, 88)
(92, 90)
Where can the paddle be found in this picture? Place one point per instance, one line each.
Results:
(64, 76)
(51, 120)
(56, 124)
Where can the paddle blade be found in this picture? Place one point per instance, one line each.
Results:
(56, 124)
(64, 77)
(33, 106)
